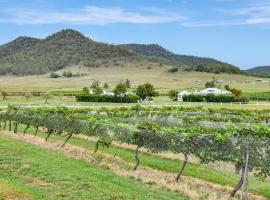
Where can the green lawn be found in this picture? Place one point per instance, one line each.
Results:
(36, 173)
(170, 165)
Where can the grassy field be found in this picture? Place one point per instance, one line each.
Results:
(157, 75)
(204, 172)
(29, 172)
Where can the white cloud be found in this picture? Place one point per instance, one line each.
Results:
(90, 15)
(257, 13)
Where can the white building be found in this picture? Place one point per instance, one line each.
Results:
(204, 92)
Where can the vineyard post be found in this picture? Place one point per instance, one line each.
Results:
(9, 125)
(245, 181)
(70, 135)
(137, 158)
(182, 168)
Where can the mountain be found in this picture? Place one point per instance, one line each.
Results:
(62, 49)
(17, 45)
(263, 71)
(162, 55)
(29, 56)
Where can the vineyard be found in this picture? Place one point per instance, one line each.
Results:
(238, 137)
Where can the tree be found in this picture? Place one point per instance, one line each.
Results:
(120, 89)
(4, 94)
(27, 96)
(97, 90)
(127, 83)
(106, 86)
(235, 91)
(95, 84)
(86, 90)
(173, 95)
(146, 90)
(46, 97)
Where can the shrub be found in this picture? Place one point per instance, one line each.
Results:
(215, 98)
(54, 75)
(193, 98)
(67, 74)
(107, 98)
(173, 70)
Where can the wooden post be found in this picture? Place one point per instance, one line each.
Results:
(244, 195)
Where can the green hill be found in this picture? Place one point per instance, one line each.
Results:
(62, 49)
(188, 63)
(263, 71)
(30, 56)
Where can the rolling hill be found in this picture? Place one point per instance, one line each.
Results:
(31, 56)
(188, 63)
(263, 71)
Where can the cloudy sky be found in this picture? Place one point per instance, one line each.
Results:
(235, 31)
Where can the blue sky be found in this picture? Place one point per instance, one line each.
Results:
(235, 31)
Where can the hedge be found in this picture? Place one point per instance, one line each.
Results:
(215, 98)
(107, 98)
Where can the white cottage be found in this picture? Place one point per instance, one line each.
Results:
(214, 91)
(204, 92)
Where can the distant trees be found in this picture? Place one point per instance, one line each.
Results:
(146, 91)
(173, 94)
(86, 90)
(212, 83)
(106, 86)
(27, 96)
(4, 94)
(67, 74)
(54, 75)
(120, 89)
(46, 97)
(95, 84)
(236, 92)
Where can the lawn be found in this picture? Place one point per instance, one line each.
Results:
(30, 172)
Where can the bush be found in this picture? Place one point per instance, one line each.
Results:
(67, 74)
(107, 98)
(173, 70)
(54, 75)
(215, 98)
(193, 98)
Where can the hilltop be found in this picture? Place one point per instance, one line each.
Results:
(31, 56)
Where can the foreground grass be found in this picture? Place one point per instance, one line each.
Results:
(35, 173)
(171, 165)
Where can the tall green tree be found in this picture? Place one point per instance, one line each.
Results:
(145, 91)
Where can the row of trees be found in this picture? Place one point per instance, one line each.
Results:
(145, 91)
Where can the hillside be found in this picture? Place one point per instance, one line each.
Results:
(62, 49)
(30, 56)
(188, 63)
(263, 71)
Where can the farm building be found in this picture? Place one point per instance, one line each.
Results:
(204, 92)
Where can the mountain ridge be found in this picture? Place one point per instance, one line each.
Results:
(263, 71)
(68, 47)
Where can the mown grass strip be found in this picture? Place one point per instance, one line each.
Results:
(49, 175)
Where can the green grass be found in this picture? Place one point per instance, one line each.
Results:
(44, 174)
(203, 172)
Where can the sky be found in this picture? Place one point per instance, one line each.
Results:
(234, 31)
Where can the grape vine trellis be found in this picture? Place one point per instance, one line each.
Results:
(247, 147)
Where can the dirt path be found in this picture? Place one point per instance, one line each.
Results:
(193, 187)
